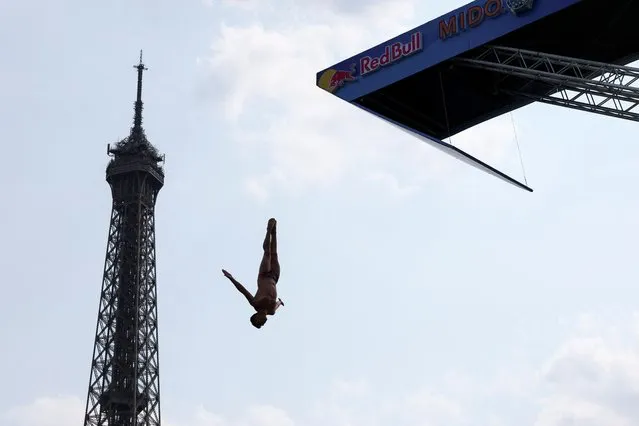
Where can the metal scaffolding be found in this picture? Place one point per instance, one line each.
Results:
(579, 84)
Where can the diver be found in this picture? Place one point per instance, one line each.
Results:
(265, 302)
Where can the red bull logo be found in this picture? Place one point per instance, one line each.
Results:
(332, 79)
(392, 53)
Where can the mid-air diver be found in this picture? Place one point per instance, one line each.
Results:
(265, 302)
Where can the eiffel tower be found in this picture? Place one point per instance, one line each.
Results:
(124, 385)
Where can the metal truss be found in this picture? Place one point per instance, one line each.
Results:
(596, 87)
(124, 387)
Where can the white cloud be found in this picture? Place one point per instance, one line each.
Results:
(202, 417)
(256, 188)
(263, 75)
(244, 4)
(266, 415)
(359, 403)
(591, 379)
(437, 409)
(392, 184)
(564, 411)
(258, 415)
(46, 411)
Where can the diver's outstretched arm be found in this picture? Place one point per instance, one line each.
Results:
(239, 286)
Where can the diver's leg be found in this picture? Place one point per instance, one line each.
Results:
(275, 264)
(265, 265)
(267, 238)
(273, 235)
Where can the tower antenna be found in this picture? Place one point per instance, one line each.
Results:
(137, 120)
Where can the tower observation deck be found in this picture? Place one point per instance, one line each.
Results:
(124, 387)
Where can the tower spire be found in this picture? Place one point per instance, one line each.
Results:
(137, 120)
(136, 143)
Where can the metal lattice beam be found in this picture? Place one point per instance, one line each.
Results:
(124, 384)
(124, 387)
(597, 87)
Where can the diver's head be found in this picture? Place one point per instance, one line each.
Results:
(258, 319)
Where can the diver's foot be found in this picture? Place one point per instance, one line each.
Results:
(271, 224)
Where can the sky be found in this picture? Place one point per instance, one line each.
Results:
(419, 291)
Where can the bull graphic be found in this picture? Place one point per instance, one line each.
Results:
(518, 7)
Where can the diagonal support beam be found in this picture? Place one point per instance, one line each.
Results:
(606, 89)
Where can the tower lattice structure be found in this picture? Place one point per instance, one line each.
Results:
(124, 385)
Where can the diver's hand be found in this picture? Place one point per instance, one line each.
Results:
(227, 274)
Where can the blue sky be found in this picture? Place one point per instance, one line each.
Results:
(419, 291)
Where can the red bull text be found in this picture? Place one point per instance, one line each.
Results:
(392, 53)
(471, 17)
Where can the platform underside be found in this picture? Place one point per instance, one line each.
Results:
(595, 30)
